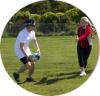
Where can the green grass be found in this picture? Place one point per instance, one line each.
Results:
(57, 72)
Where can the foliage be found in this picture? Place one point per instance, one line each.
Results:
(21, 15)
(60, 16)
(73, 13)
(36, 17)
(51, 17)
(72, 28)
(59, 6)
(42, 7)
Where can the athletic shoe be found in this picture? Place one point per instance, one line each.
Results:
(82, 74)
(16, 77)
(30, 79)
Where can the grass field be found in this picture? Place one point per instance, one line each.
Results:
(57, 72)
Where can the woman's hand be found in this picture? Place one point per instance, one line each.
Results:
(77, 39)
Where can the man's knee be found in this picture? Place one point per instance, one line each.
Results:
(30, 65)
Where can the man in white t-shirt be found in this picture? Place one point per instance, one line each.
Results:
(22, 50)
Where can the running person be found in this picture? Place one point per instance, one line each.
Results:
(84, 43)
(22, 50)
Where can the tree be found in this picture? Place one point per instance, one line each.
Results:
(42, 7)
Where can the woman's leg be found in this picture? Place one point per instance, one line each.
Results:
(87, 52)
(81, 61)
(80, 56)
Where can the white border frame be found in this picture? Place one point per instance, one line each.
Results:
(9, 88)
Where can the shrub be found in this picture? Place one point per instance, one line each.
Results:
(49, 17)
(73, 14)
(36, 17)
(21, 15)
(60, 17)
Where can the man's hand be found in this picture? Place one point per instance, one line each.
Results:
(30, 58)
(38, 51)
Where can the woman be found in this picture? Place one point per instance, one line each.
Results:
(84, 43)
(22, 50)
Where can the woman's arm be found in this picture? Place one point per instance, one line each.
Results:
(77, 31)
(86, 34)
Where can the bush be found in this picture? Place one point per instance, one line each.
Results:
(60, 17)
(73, 14)
(48, 23)
(36, 17)
(72, 28)
(16, 23)
(49, 17)
(21, 15)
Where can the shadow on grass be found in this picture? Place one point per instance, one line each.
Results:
(60, 76)
(22, 82)
(59, 63)
(25, 81)
(57, 77)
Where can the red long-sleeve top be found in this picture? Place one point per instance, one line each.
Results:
(83, 35)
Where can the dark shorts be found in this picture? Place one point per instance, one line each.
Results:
(24, 60)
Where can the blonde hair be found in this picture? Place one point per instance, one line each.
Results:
(87, 20)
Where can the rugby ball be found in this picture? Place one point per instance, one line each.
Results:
(36, 56)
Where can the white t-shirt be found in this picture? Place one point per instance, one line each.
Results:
(24, 37)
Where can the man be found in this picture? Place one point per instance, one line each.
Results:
(23, 52)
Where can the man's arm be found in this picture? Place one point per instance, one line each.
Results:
(21, 48)
(28, 57)
(36, 45)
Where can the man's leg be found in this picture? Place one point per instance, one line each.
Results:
(30, 66)
(21, 69)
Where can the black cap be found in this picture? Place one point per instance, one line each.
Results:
(29, 22)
